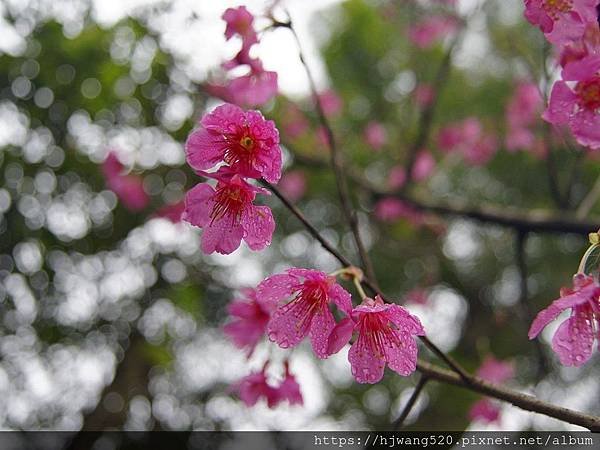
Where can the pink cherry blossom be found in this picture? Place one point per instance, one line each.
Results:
(253, 387)
(417, 296)
(227, 214)
(485, 410)
(468, 138)
(254, 89)
(386, 334)
(249, 321)
(431, 30)
(492, 371)
(375, 135)
(242, 139)
(240, 22)
(294, 121)
(424, 95)
(495, 371)
(575, 101)
(172, 211)
(307, 312)
(289, 390)
(293, 185)
(396, 177)
(560, 20)
(331, 103)
(129, 188)
(574, 339)
(522, 111)
(424, 166)
(391, 209)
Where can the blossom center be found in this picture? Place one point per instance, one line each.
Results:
(378, 334)
(247, 142)
(555, 7)
(309, 300)
(230, 200)
(588, 92)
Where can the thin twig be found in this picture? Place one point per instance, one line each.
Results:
(427, 114)
(411, 402)
(523, 401)
(337, 164)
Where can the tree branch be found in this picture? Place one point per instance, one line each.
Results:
(523, 401)
(541, 221)
(411, 402)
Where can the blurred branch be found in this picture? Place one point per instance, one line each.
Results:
(523, 401)
(411, 402)
(337, 164)
(541, 221)
(427, 114)
(527, 314)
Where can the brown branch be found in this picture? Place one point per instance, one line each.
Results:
(411, 402)
(541, 221)
(337, 165)
(523, 401)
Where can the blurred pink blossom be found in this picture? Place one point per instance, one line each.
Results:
(375, 135)
(431, 30)
(129, 188)
(293, 185)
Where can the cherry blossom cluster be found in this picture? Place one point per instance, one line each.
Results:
(257, 86)
(291, 306)
(240, 145)
(571, 26)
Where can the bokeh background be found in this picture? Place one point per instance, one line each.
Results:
(111, 319)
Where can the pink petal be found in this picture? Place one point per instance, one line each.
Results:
(574, 339)
(288, 326)
(581, 69)
(402, 359)
(258, 224)
(276, 287)
(366, 366)
(485, 411)
(221, 237)
(586, 128)
(198, 205)
(405, 321)
(341, 298)
(560, 107)
(340, 335)
(204, 149)
(322, 325)
(545, 316)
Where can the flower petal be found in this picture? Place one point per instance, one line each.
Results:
(321, 327)
(340, 335)
(258, 224)
(402, 358)
(574, 338)
(366, 366)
